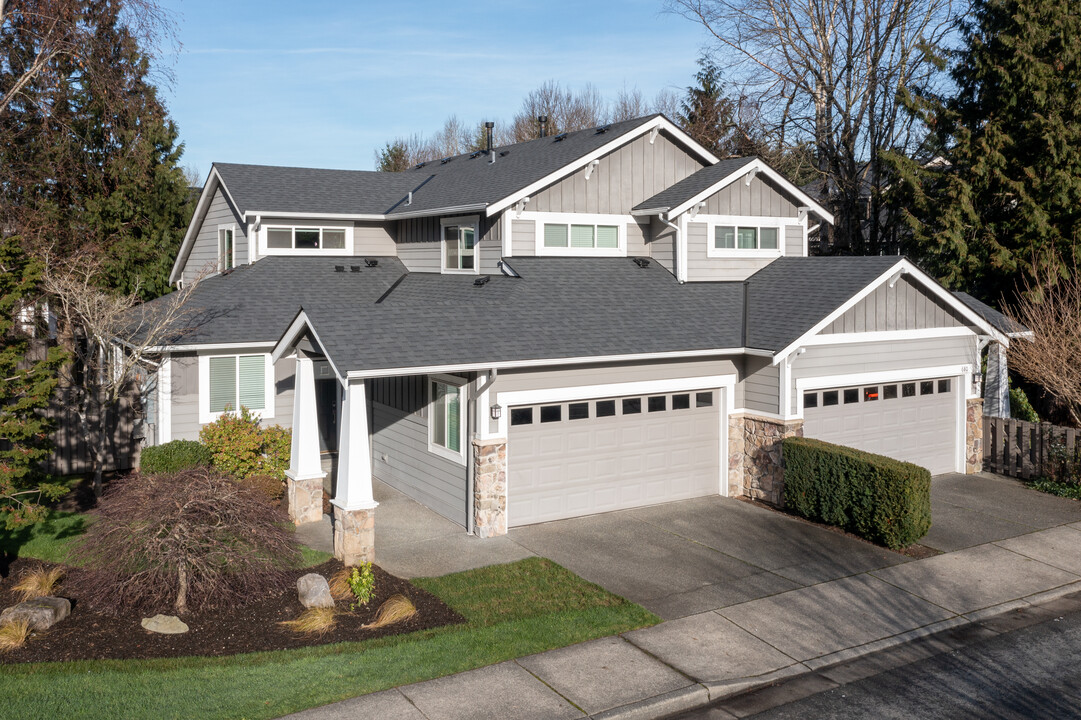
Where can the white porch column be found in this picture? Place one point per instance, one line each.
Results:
(305, 474)
(354, 502)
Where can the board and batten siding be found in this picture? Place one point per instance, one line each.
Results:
(905, 306)
(184, 404)
(662, 244)
(524, 237)
(203, 256)
(624, 177)
(373, 239)
(759, 198)
(758, 389)
(400, 448)
(418, 244)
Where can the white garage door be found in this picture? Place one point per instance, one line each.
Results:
(912, 421)
(584, 457)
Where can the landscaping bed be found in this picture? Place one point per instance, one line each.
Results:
(90, 635)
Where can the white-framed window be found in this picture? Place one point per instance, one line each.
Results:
(229, 382)
(226, 247)
(458, 241)
(446, 417)
(745, 236)
(580, 234)
(280, 239)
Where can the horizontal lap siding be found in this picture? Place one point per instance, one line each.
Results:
(623, 178)
(638, 238)
(905, 306)
(203, 257)
(373, 239)
(606, 374)
(701, 267)
(759, 386)
(662, 244)
(418, 244)
(793, 240)
(523, 238)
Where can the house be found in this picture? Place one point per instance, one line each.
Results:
(598, 320)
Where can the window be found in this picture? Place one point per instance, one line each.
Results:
(658, 403)
(944, 385)
(632, 406)
(681, 402)
(445, 421)
(703, 399)
(870, 394)
(852, 395)
(606, 408)
(810, 400)
(927, 387)
(305, 238)
(551, 413)
(460, 246)
(578, 411)
(889, 392)
(521, 416)
(579, 234)
(908, 390)
(829, 398)
(226, 254)
(735, 236)
(230, 382)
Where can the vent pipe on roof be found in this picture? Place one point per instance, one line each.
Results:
(488, 130)
(542, 120)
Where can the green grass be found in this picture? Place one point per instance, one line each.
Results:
(1053, 487)
(511, 610)
(51, 540)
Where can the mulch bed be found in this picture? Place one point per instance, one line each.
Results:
(89, 635)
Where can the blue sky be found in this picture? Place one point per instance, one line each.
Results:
(324, 84)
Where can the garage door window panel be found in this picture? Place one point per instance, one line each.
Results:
(889, 392)
(551, 413)
(852, 395)
(681, 402)
(632, 406)
(606, 408)
(521, 416)
(927, 387)
(658, 403)
(703, 399)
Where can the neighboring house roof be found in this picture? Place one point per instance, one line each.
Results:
(1000, 322)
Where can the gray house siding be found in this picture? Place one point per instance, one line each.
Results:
(524, 237)
(604, 374)
(373, 239)
(701, 267)
(400, 456)
(662, 244)
(759, 198)
(419, 249)
(793, 241)
(203, 257)
(623, 178)
(758, 389)
(905, 306)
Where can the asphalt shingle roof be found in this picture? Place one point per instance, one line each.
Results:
(310, 190)
(690, 186)
(996, 319)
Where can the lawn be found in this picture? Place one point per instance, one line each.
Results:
(511, 610)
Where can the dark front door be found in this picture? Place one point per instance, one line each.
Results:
(326, 399)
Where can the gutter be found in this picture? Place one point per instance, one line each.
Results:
(455, 210)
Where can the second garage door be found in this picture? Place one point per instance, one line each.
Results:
(912, 421)
(579, 458)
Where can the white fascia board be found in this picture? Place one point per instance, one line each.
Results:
(650, 211)
(272, 214)
(640, 387)
(453, 210)
(878, 377)
(201, 207)
(300, 324)
(925, 279)
(660, 122)
(516, 364)
(755, 165)
(886, 336)
(197, 347)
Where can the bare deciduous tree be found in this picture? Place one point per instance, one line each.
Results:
(112, 339)
(831, 72)
(1051, 308)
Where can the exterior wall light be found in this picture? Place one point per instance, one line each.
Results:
(496, 411)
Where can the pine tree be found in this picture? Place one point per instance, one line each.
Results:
(1002, 203)
(392, 158)
(27, 382)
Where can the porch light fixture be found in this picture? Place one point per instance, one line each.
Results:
(496, 411)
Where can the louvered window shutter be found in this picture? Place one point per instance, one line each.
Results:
(253, 382)
(222, 384)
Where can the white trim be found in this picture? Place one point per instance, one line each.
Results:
(506, 226)
(543, 362)
(460, 222)
(165, 400)
(452, 210)
(211, 185)
(874, 378)
(312, 215)
(759, 166)
(560, 218)
(296, 328)
(964, 383)
(660, 122)
(353, 485)
(887, 336)
(208, 347)
(272, 224)
(265, 413)
(463, 404)
(780, 224)
(902, 263)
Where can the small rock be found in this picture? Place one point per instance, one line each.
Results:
(41, 613)
(165, 624)
(314, 591)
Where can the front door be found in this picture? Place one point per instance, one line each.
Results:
(327, 393)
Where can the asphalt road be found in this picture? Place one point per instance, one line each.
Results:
(1034, 672)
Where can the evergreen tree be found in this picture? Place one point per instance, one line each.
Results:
(1002, 201)
(27, 382)
(706, 113)
(392, 158)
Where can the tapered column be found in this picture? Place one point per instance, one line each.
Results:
(305, 474)
(354, 502)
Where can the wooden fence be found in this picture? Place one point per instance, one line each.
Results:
(1026, 450)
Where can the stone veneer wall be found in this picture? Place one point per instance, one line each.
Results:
(755, 463)
(974, 435)
(490, 488)
(305, 498)
(354, 536)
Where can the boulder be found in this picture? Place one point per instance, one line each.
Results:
(165, 624)
(314, 591)
(41, 613)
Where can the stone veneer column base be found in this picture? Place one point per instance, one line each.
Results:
(489, 488)
(974, 435)
(755, 463)
(354, 536)
(305, 498)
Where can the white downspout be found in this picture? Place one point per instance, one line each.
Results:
(677, 248)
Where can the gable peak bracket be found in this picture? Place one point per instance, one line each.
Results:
(520, 206)
(750, 176)
(590, 167)
(897, 276)
(696, 209)
(653, 134)
(802, 212)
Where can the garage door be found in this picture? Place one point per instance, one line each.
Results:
(584, 457)
(912, 421)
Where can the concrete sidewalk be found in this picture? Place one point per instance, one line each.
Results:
(693, 660)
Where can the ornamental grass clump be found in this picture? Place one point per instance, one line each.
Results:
(38, 582)
(192, 540)
(313, 621)
(13, 635)
(396, 609)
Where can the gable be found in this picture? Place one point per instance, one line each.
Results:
(761, 198)
(201, 255)
(905, 306)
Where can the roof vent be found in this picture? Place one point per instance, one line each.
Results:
(339, 268)
(642, 262)
(445, 160)
(560, 137)
(371, 263)
(354, 268)
(504, 153)
(478, 153)
(419, 165)
(482, 280)
(603, 129)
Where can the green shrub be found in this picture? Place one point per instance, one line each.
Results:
(270, 486)
(240, 448)
(174, 456)
(878, 498)
(1020, 406)
(277, 443)
(362, 583)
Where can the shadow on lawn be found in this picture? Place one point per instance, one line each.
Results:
(55, 529)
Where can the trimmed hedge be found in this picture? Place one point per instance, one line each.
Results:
(878, 498)
(174, 456)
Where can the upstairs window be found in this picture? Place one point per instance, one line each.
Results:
(743, 237)
(460, 245)
(305, 238)
(578, 236)
(588, 235)
(226, 253)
